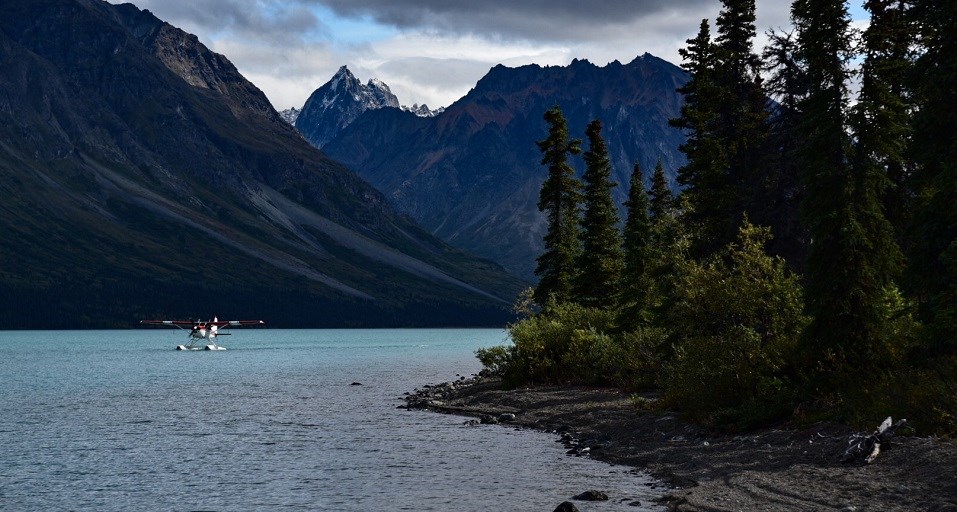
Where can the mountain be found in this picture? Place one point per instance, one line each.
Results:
(290, 115)
(142, 176)
(472, 174)
(423, 110)
(338, 103)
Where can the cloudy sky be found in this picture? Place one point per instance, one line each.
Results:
(433, 51)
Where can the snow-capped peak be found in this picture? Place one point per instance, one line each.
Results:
(342, 74)
(378, 84)
(290, 115)
(423, 110)
(338, 103)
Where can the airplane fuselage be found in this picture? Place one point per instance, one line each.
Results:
(202, 332)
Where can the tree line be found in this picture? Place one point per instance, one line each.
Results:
(808, 267)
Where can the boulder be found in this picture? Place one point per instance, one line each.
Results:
(591, 496)
(566, 506)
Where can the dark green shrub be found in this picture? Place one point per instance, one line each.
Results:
(923, 390)
(591, 358)
(556, 345)
(736, 320)
(495, 359)
(640, 359)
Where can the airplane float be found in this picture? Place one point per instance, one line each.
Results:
(199, 330)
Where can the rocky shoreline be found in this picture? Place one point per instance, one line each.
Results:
(775, 469)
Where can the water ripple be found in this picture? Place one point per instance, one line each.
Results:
(271, 424)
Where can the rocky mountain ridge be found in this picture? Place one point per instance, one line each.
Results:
(290, 115)
(472, 174)
(423, 110)
(337, 103)
(143, 176)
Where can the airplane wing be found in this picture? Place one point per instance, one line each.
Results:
(236, 323)
(178, 323)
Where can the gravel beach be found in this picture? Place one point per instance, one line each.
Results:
(775, 469)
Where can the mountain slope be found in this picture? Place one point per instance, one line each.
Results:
(143, 175)
(471, 175)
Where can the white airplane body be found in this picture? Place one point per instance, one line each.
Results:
(203, 331)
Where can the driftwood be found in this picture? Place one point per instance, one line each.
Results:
(869, 446)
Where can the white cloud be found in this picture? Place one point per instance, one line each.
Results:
(433, 51)
(438, 69)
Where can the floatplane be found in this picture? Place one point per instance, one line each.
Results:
(202, 334)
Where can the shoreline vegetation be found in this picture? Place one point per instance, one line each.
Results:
(798, 288)
(803, 267)
(781, 468)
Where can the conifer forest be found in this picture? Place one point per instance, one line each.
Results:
(805, 266)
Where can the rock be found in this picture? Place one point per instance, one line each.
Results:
(507, 416)
(416, 402)
(471, 423)
(488, 420)
(591, 496)
(672, 501)
(566, 506)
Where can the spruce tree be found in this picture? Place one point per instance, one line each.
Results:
(782, 190)
(662, 201)
(600, 262)
(932, 275)
(847, 271)
(786, 70)
(704, 174)
(559, 200)
(882, 115)
(636, 238)
(724, 117)
(742, 116)
(881, 123)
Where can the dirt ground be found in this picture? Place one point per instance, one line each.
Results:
(778, 469)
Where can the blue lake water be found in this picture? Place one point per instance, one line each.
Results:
(118, 420)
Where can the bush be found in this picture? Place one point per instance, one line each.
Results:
(495, 359)
(640, 356)
(570, 344)
(591, 358)
(736, 321)
(910, 385)
(560, 345)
